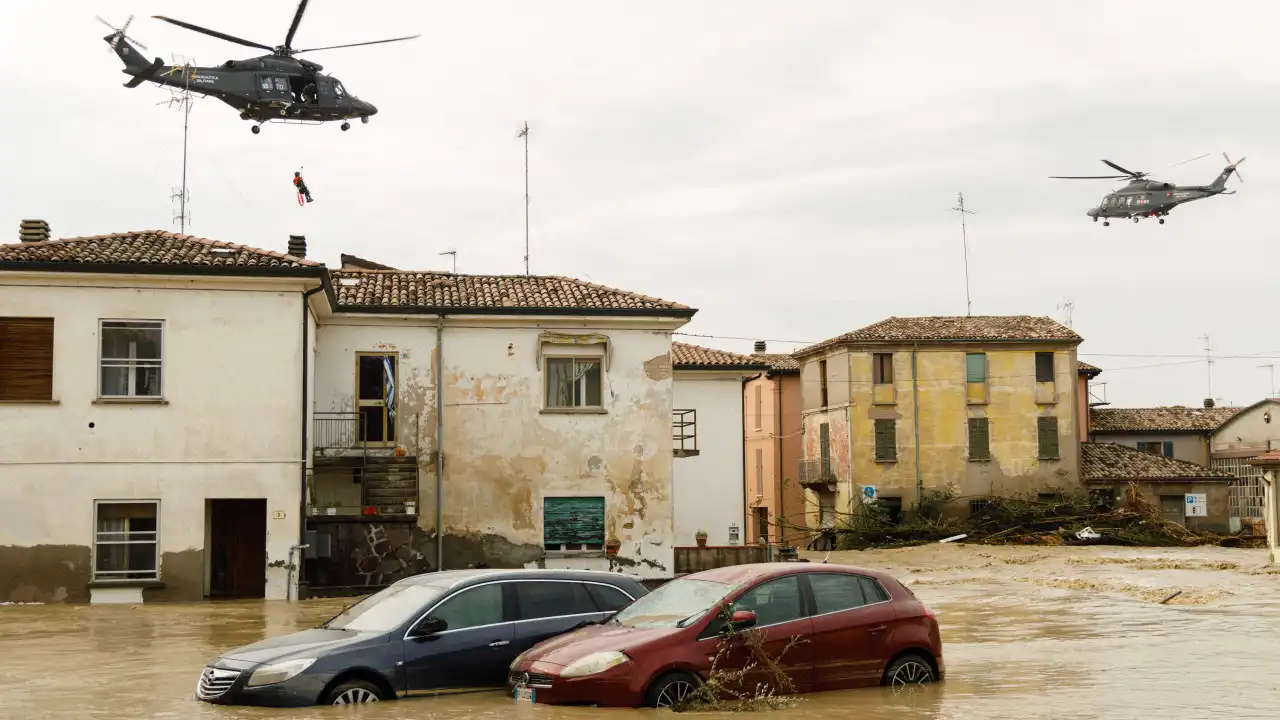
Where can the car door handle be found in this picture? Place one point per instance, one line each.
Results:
(499, 643)
(877, 629)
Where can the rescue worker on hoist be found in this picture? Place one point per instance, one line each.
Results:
(301, 185)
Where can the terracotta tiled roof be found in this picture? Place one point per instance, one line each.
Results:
(1271, 458)
(1159, 419)
(351, 262)
(691, 356)
(155, 248)
(1108, 461)
(779, 362)
(373, 289)
(1085, 368)
(990, 328)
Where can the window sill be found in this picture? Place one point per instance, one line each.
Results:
(1049, 459)
(132, 583)
(886, 462)
(31, 402)
(685, 453)
(130, 401)
(574, 411)
(980, 460)
(566, 554)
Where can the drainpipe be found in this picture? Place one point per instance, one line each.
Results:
(439, 443)
(777, 450)
(743, 534)
(306, 427)
(915, 422)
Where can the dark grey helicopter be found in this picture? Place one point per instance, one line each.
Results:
(1151, 198)
(270, 88)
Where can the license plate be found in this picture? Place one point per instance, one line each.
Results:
(524, 694)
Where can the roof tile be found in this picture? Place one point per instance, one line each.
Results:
(779, 362)
(147, 247)
(689, 356)
(1108, 461)
(1085, 368)
(1159, 419)
(380, 289)
(979, 328)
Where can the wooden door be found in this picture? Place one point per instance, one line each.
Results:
(238, 548)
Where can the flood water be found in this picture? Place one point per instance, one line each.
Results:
(1028, 633)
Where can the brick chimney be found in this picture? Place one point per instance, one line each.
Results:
(298, 245)
(33, 231)
(1208, 402)
(760, 346)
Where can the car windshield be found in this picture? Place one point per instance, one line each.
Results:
(675, 604)
(387, 609)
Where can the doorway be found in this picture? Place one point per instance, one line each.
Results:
(237, 548)
(1171, 507)
(761, 524)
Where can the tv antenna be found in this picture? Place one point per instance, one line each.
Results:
(454, 253)
(181, 99)
(964, 236)
(524, 133)
(1208, 358)
(1272, 368)
(1066, 307)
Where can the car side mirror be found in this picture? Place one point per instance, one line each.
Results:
(428, 627)
(742, 620)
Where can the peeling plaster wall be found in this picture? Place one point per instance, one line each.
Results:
(230, 428)
(504, 454)
(708, 486)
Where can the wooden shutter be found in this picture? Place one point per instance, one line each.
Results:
(26, 359)
(1047, 430)
(573, 520)
(979, 439)
(824, 450)
(886, 436)
(1044, 367)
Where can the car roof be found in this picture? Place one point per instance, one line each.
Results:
(738, 574)
(459, 578)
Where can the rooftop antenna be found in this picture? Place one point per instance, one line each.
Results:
(1066, 307)
(524, 133)
(1208, 358)
(182, 100)
(964, 235)
(454, 253)
(1272, 368)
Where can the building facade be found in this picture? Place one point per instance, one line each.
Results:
(776, 501)
(1177, 432)
(1109, 469)
(1249, 433)
(985, 404)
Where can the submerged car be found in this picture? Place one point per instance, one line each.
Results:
(858, 628)
(430, 634)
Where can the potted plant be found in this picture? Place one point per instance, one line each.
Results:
(331, 507)
(701, 537)
(611, 546)
(411, 507)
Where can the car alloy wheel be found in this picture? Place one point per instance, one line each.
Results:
(911, 672)
(674, 692)
(355, 696)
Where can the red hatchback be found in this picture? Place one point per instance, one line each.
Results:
(860, 627)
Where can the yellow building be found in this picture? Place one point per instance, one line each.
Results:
(987, 404)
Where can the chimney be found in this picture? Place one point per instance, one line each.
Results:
(1208, 402)
(760, 346)
(298, 246)
(33, 231)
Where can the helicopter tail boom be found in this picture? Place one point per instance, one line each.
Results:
(135, 63)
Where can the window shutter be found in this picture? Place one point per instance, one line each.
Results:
(573, 521)
(1048, 435)
(1168, 448)
(824, 437)
(885, 440)
(979, 439)
(26, 359)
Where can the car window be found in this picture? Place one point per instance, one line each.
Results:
(873, 591)
(835, 592)
(386, 609)
(553, 599)
(608, 598)
(472, 608)
(675, 604)
(773, 602)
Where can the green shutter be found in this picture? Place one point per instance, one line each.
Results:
(1047, 430)
(979, 439)
(573, 521)
(886, 437)
(824, 437)
(975, 367)
(1168, 448)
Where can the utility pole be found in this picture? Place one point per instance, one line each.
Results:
(1208, 358)
(524, 133)
(454, 253)
(182, 98)
(1272, 368)
(964, 236)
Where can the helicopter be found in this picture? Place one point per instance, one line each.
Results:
(270, 88)
(1142, 198)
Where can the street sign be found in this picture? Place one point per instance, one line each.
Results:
(868, 493)
(1197, 505)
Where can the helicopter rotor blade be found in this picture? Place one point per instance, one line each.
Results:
(372, 42)
(120, 33)
(1130, 173)
(1234, 165)
(1184, 162)
(297, 18)
(214, 33)
(1087, 177)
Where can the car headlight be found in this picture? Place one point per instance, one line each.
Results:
(278, 672)
(593, 664)
(515, 663)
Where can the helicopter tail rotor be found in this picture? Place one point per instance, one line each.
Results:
(1231, 166)
(121, 34)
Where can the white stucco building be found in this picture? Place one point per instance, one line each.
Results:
(541, 405)
(707, 433)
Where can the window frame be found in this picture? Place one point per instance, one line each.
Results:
(985, 424)
(107, 579)
(1043, 422)
(1053, 362)
(711, 631)
(856, 577)
(132, 365)
(52, 330)
(510, 603)
(892, 446)
(394, 439)
(759, 403)
(986, 370)
(564, 551)
(880, 362)
(547, 360)
(822, 372)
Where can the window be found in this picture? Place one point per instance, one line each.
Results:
(882, 368)
(759, 408)
(607, 597)
(978, 507)
(472, 608)
(337, 88)
(975, 367)
(126, 544)
(573, 383)
(1044, 367)
(1162, 448)
(572, 524)
(264, 82)
(553, 599)
(773, 602)
(827, 510)
(759, 472)
(761, 516)
(835, 592)
(26, 359)
(282, 85)
(386, 609)
(886, 441)
(979, 439)
(376, 396)
(822, 372)
(1047, 433)
(824, 449)
(131, 358)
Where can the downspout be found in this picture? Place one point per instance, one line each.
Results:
(306, 427)
(439, 370)
(915, 422)
(777, 450)
(743, 400)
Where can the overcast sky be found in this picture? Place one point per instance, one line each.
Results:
(784, 167)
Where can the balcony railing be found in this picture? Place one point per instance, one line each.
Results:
(817, 472)
(684, 433)
(337, 431)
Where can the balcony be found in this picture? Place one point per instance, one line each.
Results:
(381, 487)
(337, 433)
(817, 475)
(684, 433)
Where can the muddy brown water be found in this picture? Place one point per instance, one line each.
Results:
(1028, 633)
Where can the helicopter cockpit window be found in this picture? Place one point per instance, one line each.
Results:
(337, 88)
(282, 85)
(265, 83)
